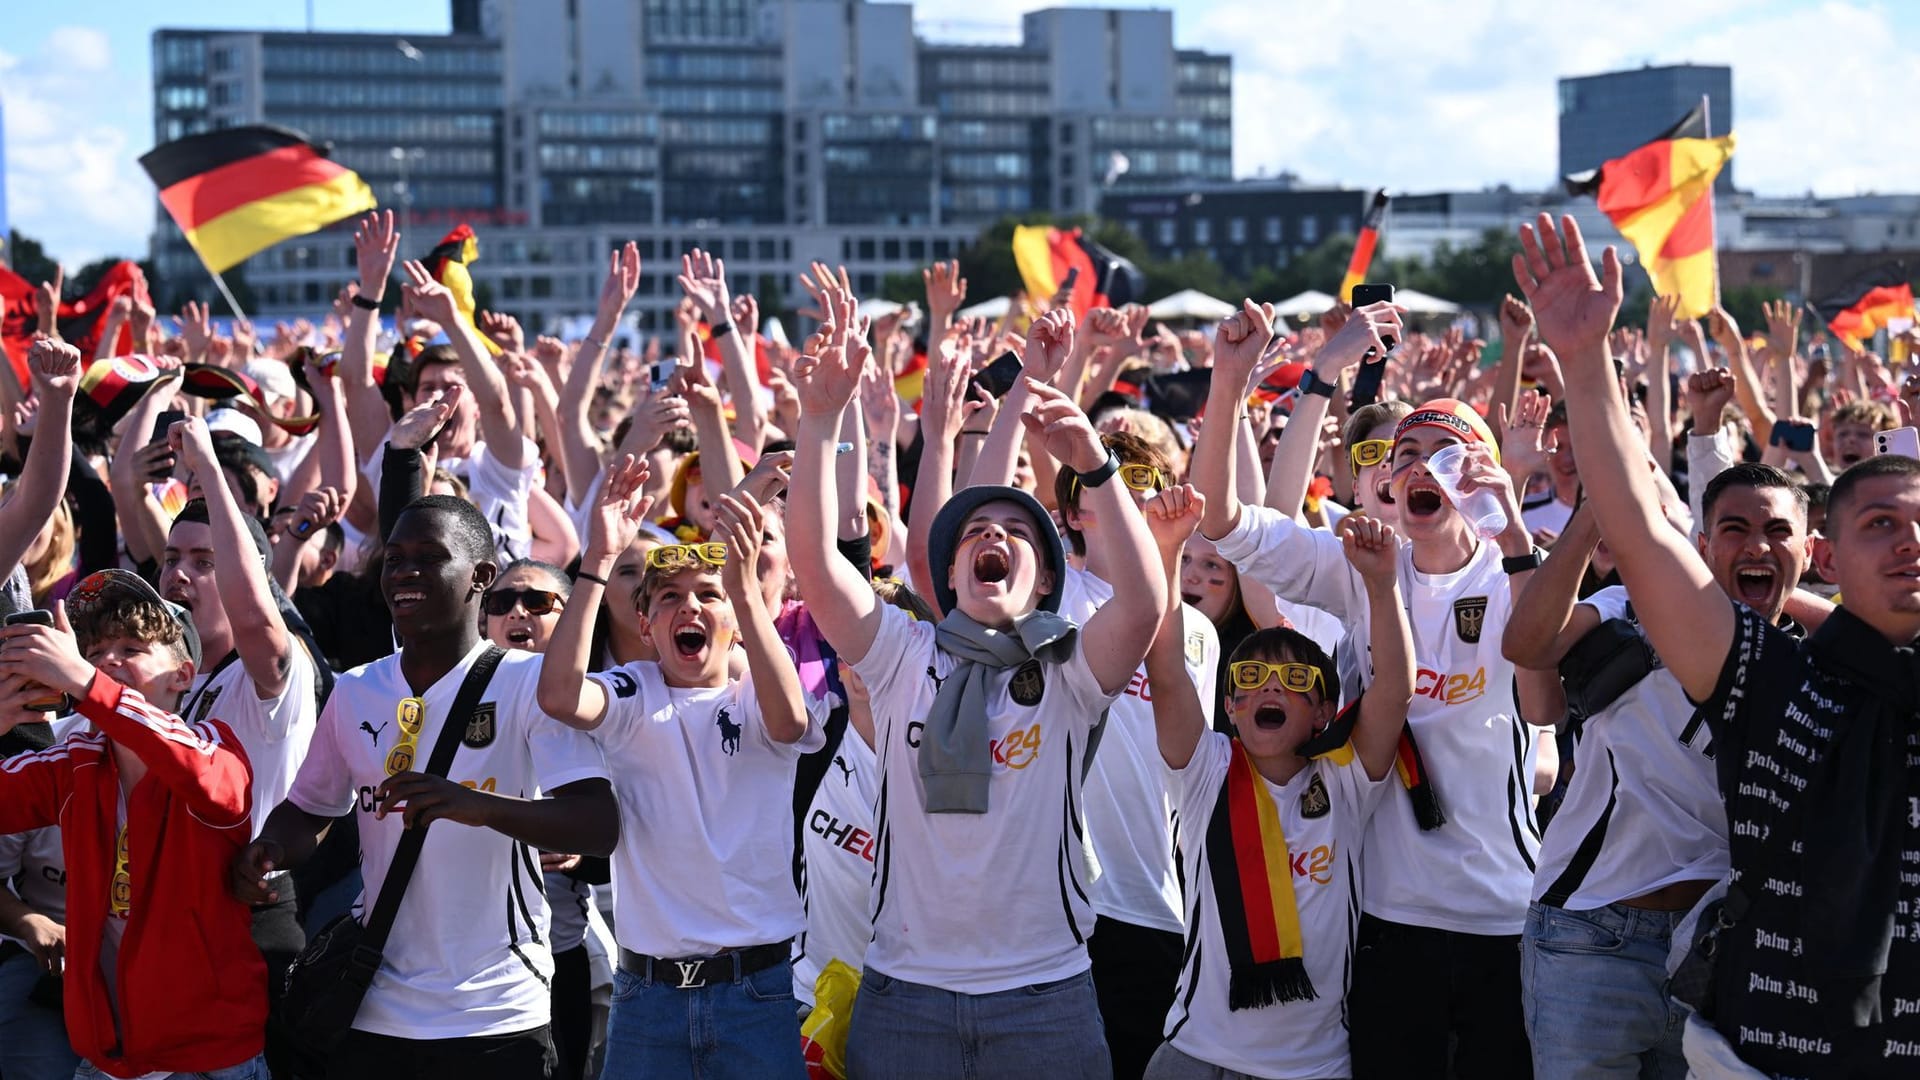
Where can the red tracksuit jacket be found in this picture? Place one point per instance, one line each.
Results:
(192, 987)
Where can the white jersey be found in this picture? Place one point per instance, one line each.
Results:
(705, 861)
(1644, 809)
(469, 952)
(1473, 874)
(275, 732)
(1549, 513)
(980, 903)
(570, 899)
(500, 493)
(837, 846)
(1129, 811)
(1323, 812)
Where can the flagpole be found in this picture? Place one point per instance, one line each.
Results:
(221, 284)
(1706, 124)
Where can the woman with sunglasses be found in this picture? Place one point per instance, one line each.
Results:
(522, 606)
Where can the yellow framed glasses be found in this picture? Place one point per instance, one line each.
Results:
(1368, 452)
(672, 555)
(410, 717)
(1137, 477)
(1299, 678)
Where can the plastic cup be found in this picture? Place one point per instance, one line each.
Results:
(1481, 507)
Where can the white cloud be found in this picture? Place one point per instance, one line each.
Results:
(72, 179)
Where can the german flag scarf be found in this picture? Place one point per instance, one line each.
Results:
(1253, 888)
(1406, 761)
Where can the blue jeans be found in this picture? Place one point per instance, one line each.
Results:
(33, 1038)
(1594, 990)
(254, 1068)
(747, 1029)
(1048, 1031)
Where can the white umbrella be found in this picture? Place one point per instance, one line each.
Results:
(986, 309)
(1191, 304)
(1311, 302)
(1419, 303)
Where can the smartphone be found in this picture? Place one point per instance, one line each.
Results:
(1366, 381)
(1904, 441)
(50, 700)
(662, 375)
(1796, 435)
(1000, 376)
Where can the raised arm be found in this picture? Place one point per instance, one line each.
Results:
(143, 526)
(776, 682)
(485, 382)
(1359, 338)
(1238, 346)
(55, 368)
(943, 423)
(578, 440)
(704, 279)
(1547, 620)
(331, 462)
(1180, 718)
(1726, 334)
(1688, 618)
(564, 691)
(376, 243)
(1116, 638)
(259, 633)
(1374, 551)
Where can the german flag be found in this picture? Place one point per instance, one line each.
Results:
(114, 385)
(1660, 197)
(81, 321)
(1862, 307)
(1363, 246)
(1045, 255)
(238, 191)
(448, 262)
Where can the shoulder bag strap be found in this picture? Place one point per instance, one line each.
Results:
(407, 854)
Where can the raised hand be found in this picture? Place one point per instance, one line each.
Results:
(55, 368)
(505, 331)
(767, 478)
(1172, 515)
(316, 510)
(420, 424)
(1708, 392)
(1049, 341)
(1057, 423)
(1725, 330)
(739, 523)
(430, 299)
(192, 444)
(46, 654)
(526, 372)
(618, 287)
(1361, 337)
(946, 291)
(655, 415)
(618, 513)
(1372, 547)
(704, 279)
(376, 244)
(1516, 320)
(1572, 307)
(46, 302)
(828, 379)
(943, 397)
(1783, 327)
(746, 314)
(1522, 437)
(1241, 341)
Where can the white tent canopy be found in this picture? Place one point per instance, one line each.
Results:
(1311, 302)
(1419, 303)
(986, 309)
(1191, 304)
(877, 309)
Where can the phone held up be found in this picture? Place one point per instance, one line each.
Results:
(1904, 441)
(50, 701)
(1795, 435)
(1366, 382)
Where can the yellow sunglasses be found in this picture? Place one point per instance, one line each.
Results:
(1299, 678)
(1369, 452)
(410, 717)
(1137, 477)
(671, 555)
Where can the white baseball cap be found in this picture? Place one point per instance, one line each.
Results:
(235, 422)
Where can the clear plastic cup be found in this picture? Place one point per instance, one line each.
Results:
(1481, 507)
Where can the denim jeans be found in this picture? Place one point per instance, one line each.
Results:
(1594, 989)
(1048, 1031)
(747, 1029)
(254, 1068)
(33, 1037)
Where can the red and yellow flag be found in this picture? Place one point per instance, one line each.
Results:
(448, 262)
(1864, 306)
(1045, 256)
(238, 191)
(1363, 246)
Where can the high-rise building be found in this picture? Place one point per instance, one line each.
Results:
(770, 131)
(1604, 116)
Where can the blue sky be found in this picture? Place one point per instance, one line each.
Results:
(1414, 96)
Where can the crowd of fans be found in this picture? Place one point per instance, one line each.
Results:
(985, 724)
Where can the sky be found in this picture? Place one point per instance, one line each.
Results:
(1407, 95)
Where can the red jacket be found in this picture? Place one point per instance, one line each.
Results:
(192, 984)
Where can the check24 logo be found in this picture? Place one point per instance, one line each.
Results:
(1017, 749)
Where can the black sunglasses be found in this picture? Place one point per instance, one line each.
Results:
(536, 601)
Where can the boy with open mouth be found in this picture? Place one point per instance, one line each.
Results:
(704, 903)
(982, 726)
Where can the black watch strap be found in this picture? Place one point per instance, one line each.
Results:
(1520, 564)
(1314, 384)
(1093, 478)
(360, 300)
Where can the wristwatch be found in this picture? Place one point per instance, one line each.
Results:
(1520, 564)
(1314, 384)
(1093, 478)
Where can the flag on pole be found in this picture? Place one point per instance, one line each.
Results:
(1045, 255)
(1864, 306)
(1660, 197)
(448, 263)
(80, 321)
(1363, 246)
(238, 191)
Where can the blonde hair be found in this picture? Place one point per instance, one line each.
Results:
(56, 562)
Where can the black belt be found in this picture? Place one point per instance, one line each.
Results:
(694, 972)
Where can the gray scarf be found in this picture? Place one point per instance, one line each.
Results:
(955, 763)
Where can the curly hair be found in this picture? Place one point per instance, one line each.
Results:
(139, 620)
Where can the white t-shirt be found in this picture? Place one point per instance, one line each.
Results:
(1473, 874)
(1644, 809)
(705, 861)
(1323, 812)
(288, 459)
(1549, 513)
(500, 493)
(469, 953)
(275, 732)
(837, 847)
(980, 903)
(1129, 810)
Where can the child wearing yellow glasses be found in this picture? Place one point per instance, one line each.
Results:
(1271, 823)
(704, 903)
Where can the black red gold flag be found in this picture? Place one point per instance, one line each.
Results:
(1862, 307)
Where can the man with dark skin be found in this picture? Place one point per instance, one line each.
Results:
(460, 995)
